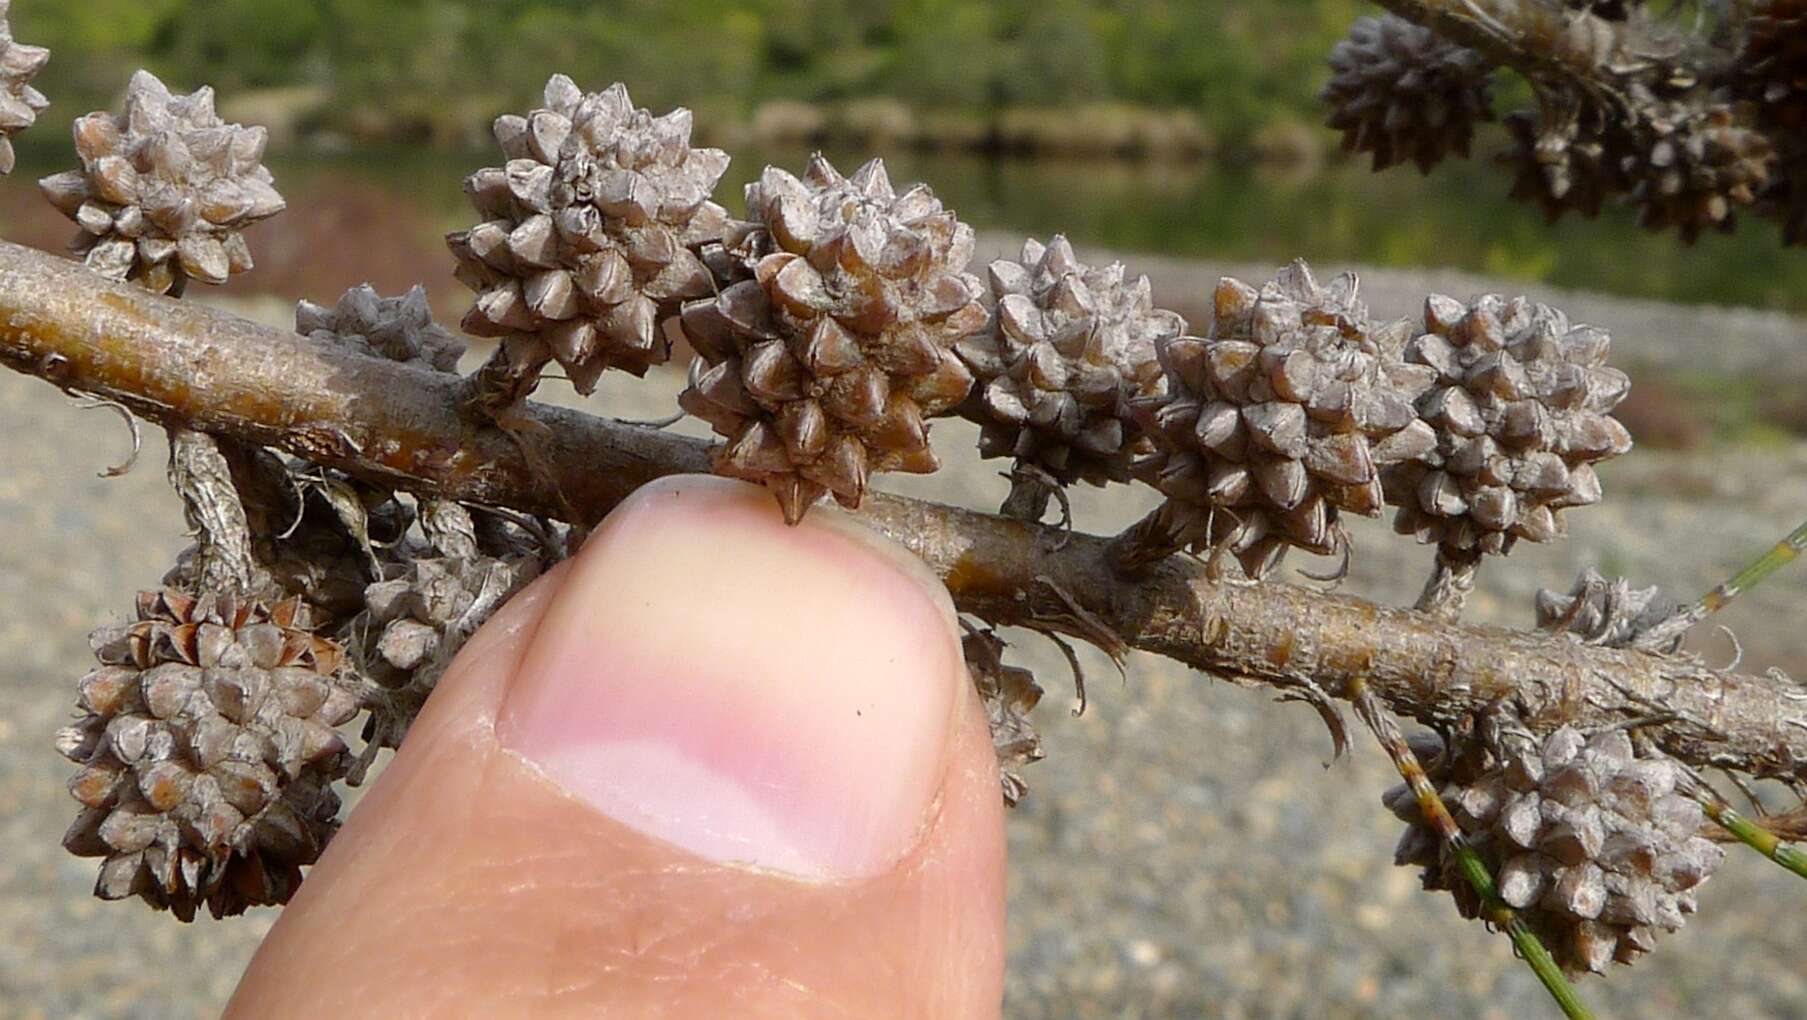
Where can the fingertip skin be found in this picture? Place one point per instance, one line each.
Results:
(471, 882)
(771, 695)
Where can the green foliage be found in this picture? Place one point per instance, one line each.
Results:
(418, 70)
(1234, 65)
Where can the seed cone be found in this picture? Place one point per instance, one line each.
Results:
(166, 190)
(1772, 62)
(1700, 167)
(1562, 163)
(1588, 840)
(20, 104)
(1771, 75)
(1067, 349)
(1601, 612)
(1282, 418)
(1520, 408)
(397, 328)
(590, 233)
(1403, 93)
(1009, 694)
(824, 364)
(207, 752)
(433, 597)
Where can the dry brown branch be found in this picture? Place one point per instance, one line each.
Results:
(1545, 42)
(183, 365)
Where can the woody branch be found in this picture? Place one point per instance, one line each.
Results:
(183, 365)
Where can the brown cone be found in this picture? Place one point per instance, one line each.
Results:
(1405, 94)
(1564, 160)
(1520, 409)
(432, 598)
(1699, 168)
(1587, 837)
(1771, 74)
(1067, 349)
(591, 232)
(165, 190)
(396, 328)
(208, 752)
(1281, 418)
(20, 104)
(824, 364)
(1600, 612)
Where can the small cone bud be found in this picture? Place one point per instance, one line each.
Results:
(1008, 693)
(398, 328)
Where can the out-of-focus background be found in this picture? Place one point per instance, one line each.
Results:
(1183, 852)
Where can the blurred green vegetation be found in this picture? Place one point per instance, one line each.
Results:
(1237, 66)
(363, 82)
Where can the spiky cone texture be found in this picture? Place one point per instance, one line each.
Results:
(590, 232)
(1067, 349)
(1597, 611)
(1568, 165)
(1701, 165)
(824, 366)
(1771, 66)
(1770, 73)
(166, 190)
(1009, 693)
(20, 104)
(1588, 840)
(415, 619)
(1282, 418)
(208, 752)
(1403, 93)
(396, 328)
(1521, 408)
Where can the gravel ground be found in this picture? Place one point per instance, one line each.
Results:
(1184, 851)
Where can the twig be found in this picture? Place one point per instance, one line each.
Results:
(201, 474)
(399, 427)
(131, 424)
(1446, 591)
(1540, 40)
(1786, 827)
(1759, 838)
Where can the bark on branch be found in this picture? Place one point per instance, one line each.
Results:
(184, 365)
(1545, 41)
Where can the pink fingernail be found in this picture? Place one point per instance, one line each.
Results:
(776, 697)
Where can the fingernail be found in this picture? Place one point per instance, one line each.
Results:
(770, 696)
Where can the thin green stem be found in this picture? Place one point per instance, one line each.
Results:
(1756, 836)
(1755, 572)
(1544, 966)
(1495, 910)
(1779, 555)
